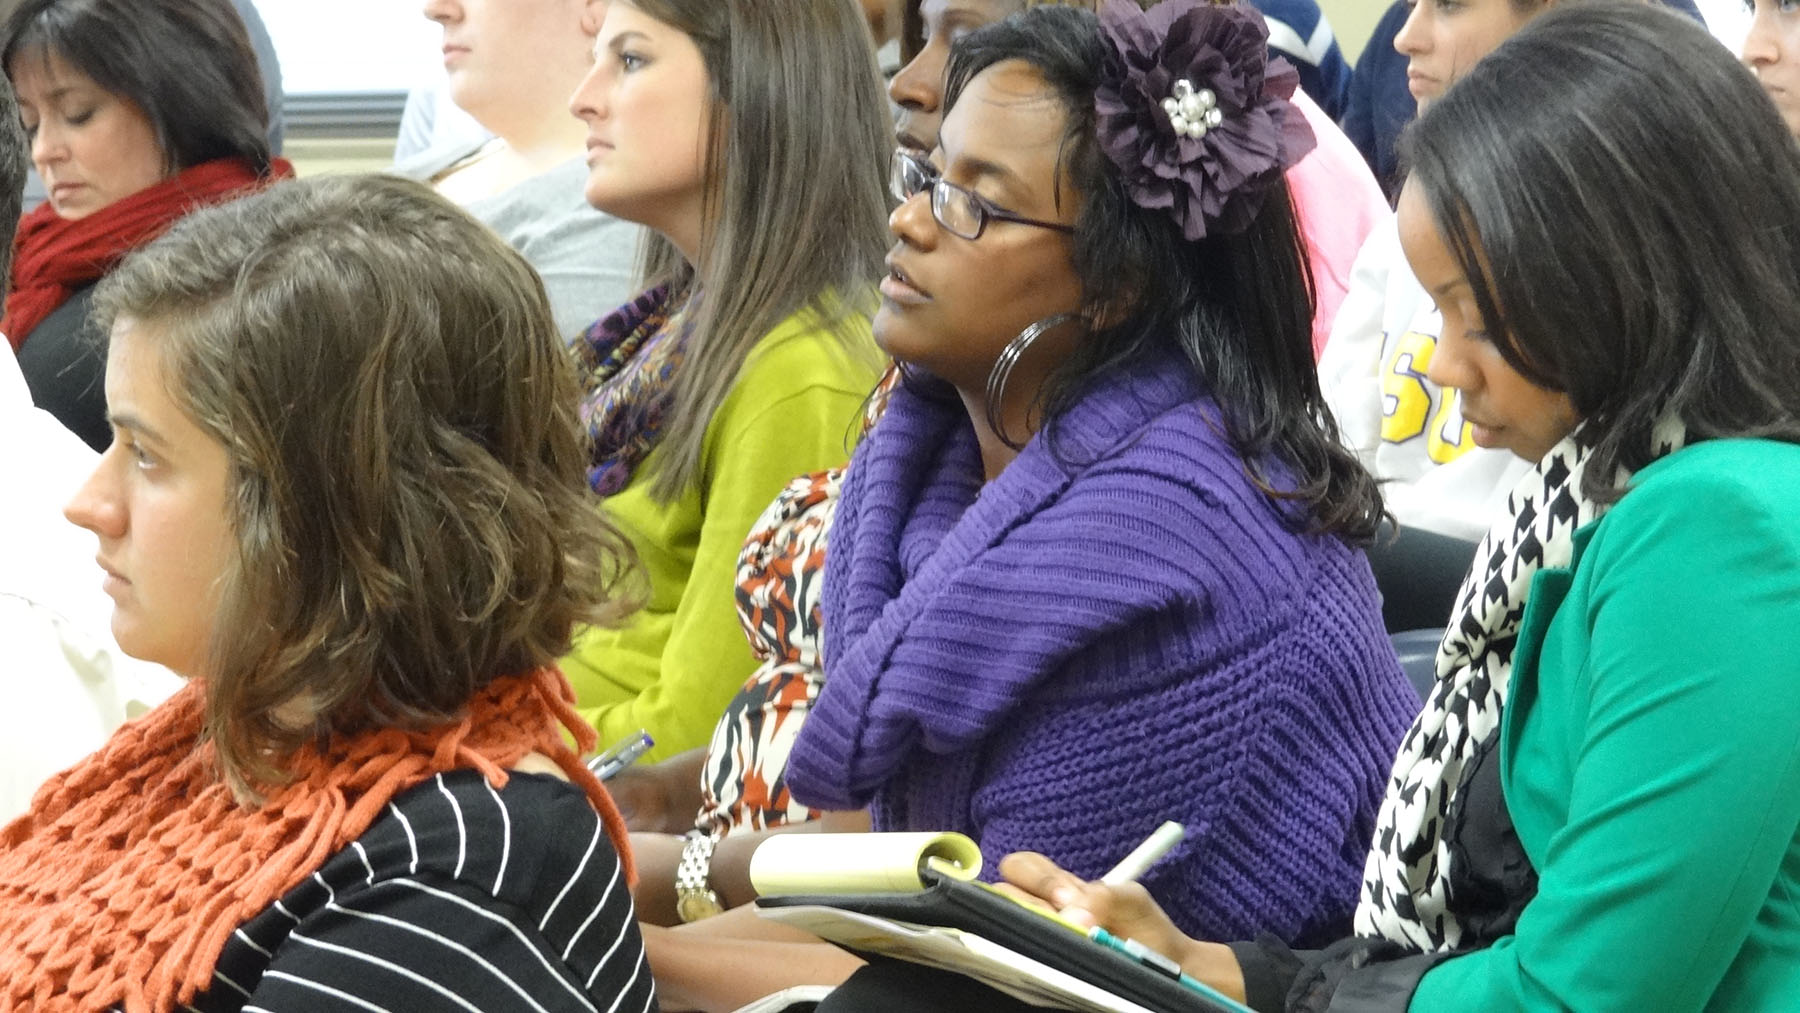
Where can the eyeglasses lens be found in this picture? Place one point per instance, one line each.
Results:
(955, 210)
(952, 206)
(907, 176)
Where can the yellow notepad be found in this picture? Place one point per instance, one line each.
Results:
(859, 863)
(848, 864)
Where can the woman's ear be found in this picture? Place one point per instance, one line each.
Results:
(592, 14)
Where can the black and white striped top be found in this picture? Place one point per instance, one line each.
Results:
(459, 898)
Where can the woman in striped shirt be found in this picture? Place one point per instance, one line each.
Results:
(345, 497)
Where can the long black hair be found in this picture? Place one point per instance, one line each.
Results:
(1238, 307)
(1625, 203)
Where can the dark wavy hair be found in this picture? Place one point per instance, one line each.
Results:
(1237, 307)
(186, 63)
(408, 477)
(1625, 202)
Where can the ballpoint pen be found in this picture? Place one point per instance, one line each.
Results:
(623, 754)
(1146, 854)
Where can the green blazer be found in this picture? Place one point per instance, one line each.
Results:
(1650, 754)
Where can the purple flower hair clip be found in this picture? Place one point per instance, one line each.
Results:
(1194, 113)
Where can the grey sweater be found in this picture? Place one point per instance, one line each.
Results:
(585, 257)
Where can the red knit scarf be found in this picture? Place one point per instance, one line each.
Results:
(53, 257)
(132, 869)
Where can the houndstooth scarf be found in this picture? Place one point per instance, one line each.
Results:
(1404, 895)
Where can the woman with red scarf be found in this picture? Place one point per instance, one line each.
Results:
(138, 112)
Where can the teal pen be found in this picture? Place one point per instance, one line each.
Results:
(1162, 965)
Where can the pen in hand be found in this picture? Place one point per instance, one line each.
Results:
(623, 754)
(1132, 866)
(1145, 855)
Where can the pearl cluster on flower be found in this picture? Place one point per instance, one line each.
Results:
(1192, 113)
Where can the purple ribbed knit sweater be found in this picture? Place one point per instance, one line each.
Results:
(1065, 657)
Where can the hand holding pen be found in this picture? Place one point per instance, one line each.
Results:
(1122, 907)
(1115, 901)
(623, 754)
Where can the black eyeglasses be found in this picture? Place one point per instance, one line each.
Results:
(961, 211)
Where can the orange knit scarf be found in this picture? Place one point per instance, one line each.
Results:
(133, 868)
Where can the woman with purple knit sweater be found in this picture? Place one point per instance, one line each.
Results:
(1097, 567)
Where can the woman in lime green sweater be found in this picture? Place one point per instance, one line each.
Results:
(1599, 807)
(747, 361)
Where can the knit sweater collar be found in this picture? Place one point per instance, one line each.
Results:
(918, 541)
(931, 493)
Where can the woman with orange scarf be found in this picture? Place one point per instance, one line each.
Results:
(346, 498)
(138, 111)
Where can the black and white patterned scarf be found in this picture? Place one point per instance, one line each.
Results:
(1404, 894)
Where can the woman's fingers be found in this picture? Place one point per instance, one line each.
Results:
(1038, 876)
(1045, 882)
(1069, 914)
(1125, 910)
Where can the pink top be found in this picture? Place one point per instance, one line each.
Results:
(1338, 203)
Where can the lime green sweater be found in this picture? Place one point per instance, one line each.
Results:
(672, 668)
(1650, 754)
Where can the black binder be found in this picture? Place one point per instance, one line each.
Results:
(970, 907)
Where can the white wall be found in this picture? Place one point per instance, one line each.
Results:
(387, 45)
(1728, 20)
(1351, 22)
(351, 45)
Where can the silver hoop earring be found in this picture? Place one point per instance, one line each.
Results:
(1003, 367)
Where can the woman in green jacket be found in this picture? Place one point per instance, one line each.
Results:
(1599, 807)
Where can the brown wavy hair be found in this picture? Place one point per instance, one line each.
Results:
(407, 482)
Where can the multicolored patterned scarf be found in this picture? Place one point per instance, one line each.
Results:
(629, 360)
